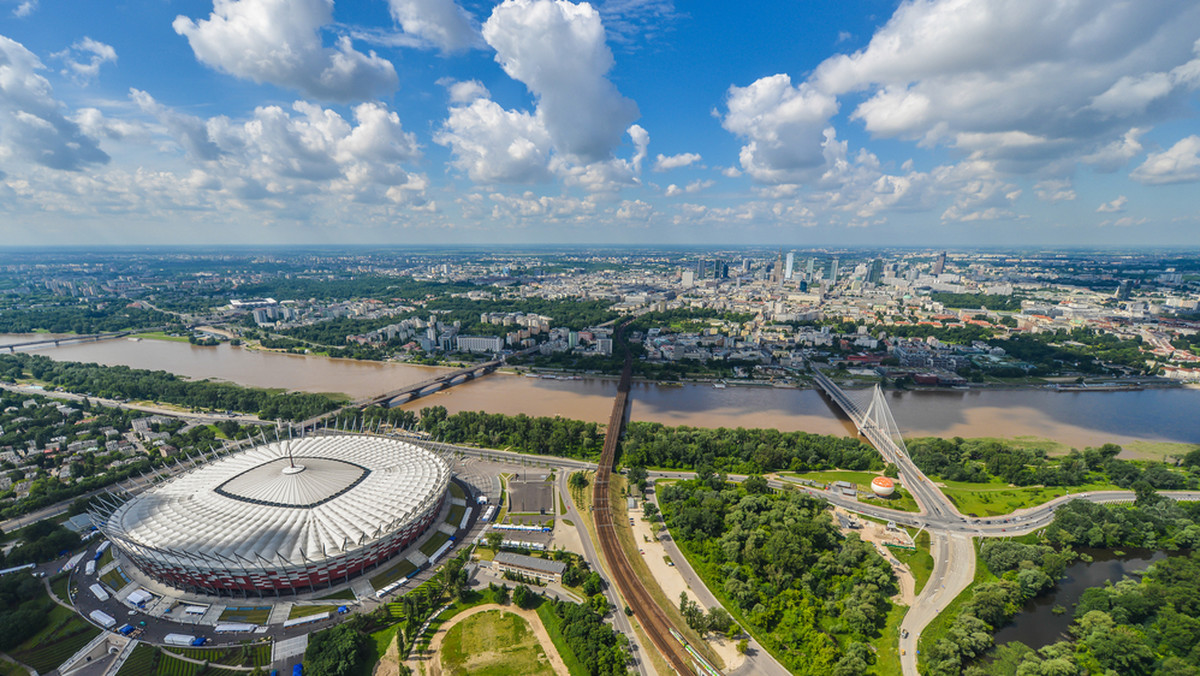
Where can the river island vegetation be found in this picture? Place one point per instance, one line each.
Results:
(1146, 627)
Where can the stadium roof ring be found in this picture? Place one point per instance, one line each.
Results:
(290, 516)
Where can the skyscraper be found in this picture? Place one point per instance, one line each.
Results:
(791, 262)
(833, 270)
(875, 272)
(811, 263)
(940, 265)
(777, 272)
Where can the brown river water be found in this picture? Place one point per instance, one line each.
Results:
(1075, 419)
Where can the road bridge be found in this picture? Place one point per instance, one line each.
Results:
(84, 338)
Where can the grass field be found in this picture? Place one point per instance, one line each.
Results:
(305, 611)
(9, 669)
(58, 584)
(431, 545)
(403, 568)
(105, 558)
(994, 499)
(919, 561)
(456, 514)
(241, 656)
(346, 594)
(901, 500)
(1156, 450)
(65, 633)
(457, 491)
(887, 644)
(141, 661)
(159, 335)
(168, 665)
(250, 614)
(493, 643)
(115, 579)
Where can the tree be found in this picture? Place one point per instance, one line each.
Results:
(493, 539)
(337, 651)
(522, 597)
(578, 481)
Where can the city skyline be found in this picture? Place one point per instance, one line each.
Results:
(943, 123)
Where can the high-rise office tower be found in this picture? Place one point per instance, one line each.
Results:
(833, 270)
(940, 266)
(791, 262)
(809, 270)
(875, 273)
(1124, 289)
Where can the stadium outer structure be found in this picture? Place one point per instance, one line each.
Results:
(281, 518)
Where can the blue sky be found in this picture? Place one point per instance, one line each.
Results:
(929, 123)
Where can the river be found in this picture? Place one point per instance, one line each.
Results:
(1074, 419)
(1037, 625)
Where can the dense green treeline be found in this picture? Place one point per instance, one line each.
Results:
(1127, 628)
(101, 317)
(1082, 350)
(574, 314)
(974, 301)
(743, 451)
(953, 335)
(811, 596)
(982, 460)
(24, 609)
(122, 382)
(521, 433)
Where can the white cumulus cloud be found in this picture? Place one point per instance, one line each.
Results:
(784, 126)
(84, 58)
(558, 51)
(1027, 82)
(32, 124)
(494, 145)
(441, 23)
(1114, 207)
(1178, 164)
(669, 162)
(279, 42)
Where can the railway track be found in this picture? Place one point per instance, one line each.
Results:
(652, 618)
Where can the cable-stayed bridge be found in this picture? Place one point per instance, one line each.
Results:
(871, 415)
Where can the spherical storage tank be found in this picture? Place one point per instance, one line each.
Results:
(883, 486)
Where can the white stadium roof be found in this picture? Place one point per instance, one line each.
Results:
(332, 495)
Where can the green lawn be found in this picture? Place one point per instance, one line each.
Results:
(58, 584)
(457, 491)
(115, 579)
(919, 561)
(403, 568)
(159, 335)
(887, 644)
(9, 669)
(995, 499)
(431, 545)
(456, 514)
(493, 643)
(346, 594)
(257, 655)
(105, 558)
(305, 611)
(65, 633)
(171, 666)
(901, 500)
(141, 661)
(250, 614)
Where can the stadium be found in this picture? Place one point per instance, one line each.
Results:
(282, 518)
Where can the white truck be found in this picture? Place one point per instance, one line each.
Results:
(178, 639)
